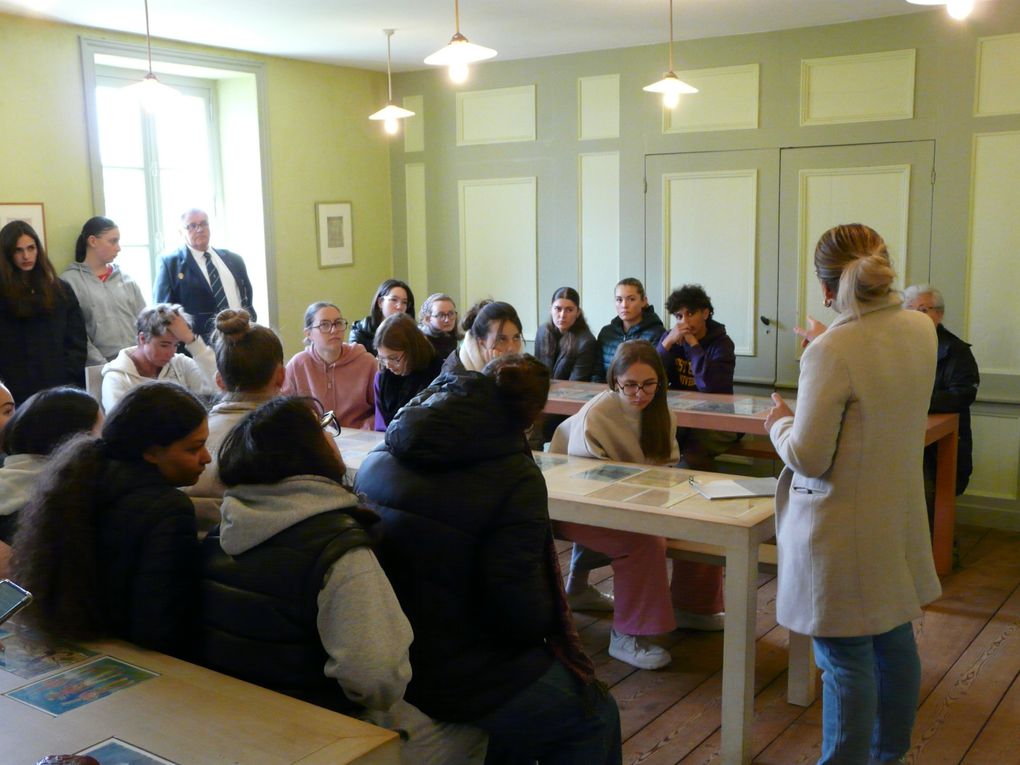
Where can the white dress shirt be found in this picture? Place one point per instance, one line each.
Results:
(226, 276)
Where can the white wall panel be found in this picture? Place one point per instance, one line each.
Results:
(499, 244)
(598, 107)
(504, 115)
(996, 452)
(727, 99)
(599, 236)
(861, 88)
(417, 233)
(711, 238)
(998, 76)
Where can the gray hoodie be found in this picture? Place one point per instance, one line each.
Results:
(18, 476)
(110, 309)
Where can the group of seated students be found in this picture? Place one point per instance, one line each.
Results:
(230, 536)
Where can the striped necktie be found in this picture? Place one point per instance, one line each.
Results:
(216, 285)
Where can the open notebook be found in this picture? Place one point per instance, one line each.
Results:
(735, 487)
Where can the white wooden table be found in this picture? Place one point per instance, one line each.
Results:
(192, 716)
(737, 525)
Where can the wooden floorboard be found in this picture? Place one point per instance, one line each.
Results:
(969, 641)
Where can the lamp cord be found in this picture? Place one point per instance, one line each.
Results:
(148, 39)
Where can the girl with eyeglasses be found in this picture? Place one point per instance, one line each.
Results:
(106, 544)
(407, 364)
(438, 320)
(493, 330)
(249, 372)
(392, 297)
(42, 332)
(630, 422)
(295, 599)
(339, 375)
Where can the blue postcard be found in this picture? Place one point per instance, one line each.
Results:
(81, 685)
(113, 751)
(27, 655)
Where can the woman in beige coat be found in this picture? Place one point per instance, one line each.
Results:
(855, 563)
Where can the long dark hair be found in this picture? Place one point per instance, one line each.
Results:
(26, 293)
(567, 342)
(93, 227)
(247, 355)
(281, 439)
(657, 431)
(375, 313)
(482, 315)
(55, 545)
(48, 418)
(399, 333)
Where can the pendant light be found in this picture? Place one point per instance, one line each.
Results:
(458, 53)
(151, 93)
(958, 9)
(391, 113)
(670, 86)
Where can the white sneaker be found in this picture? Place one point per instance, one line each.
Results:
(590, 599)
(638, 651)
(685, 620)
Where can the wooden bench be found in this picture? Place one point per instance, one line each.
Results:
(705, 553)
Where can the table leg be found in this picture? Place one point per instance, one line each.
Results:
(801, 672)
(945, 503)
(738, 652)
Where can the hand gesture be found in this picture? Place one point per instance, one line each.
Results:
(814, 329)
(777, 412)
(179, 329)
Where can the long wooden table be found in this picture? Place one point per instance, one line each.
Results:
(189, 715)
(746, 414)
(660, 501)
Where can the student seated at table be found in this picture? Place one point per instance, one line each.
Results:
(249, 372)
(392, 297)
(630, 422)
(635, 320)
(493, 329)
(339, 375)
(6, 409)
(41, 424)
(106, 544)
(294, 599)
(438, 320)
(467, 545)
(160, 329)
(407, 364)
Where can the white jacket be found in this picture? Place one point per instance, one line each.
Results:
(197, 374)
(854, 552)
(110, 309)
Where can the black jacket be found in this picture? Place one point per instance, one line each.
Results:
(148, 558)
(582, 362)
(465, 523)
(44, 350)
(363, 333)
(395, 390)
(650, 328)
(260, 607)
(956, 384)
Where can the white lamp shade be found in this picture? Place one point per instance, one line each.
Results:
(670, 83)
(459, 51)
(392, 112)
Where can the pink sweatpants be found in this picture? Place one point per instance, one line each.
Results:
(641, 588)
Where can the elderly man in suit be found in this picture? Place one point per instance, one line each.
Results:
(202, 279)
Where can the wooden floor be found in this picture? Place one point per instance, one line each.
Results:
(970, 687)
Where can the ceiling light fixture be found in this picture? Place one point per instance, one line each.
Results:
(391, 113)
(151, 93)
(458, 53)
(670, 86)
(958, 9)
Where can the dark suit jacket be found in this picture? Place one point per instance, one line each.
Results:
(180, 280)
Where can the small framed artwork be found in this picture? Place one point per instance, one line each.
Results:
(333, 232)
(30, 212)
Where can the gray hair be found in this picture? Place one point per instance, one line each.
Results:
(153, 322)
(915, 291)
(192, 210)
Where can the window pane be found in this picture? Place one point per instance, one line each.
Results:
(134, 261)
(185, 164)
(120, 128)
(125, 204)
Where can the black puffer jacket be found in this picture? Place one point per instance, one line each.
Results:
(147, 551)
(465, 522)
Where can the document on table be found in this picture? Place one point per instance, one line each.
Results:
(735, 488)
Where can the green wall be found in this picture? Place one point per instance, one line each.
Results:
(322, 149)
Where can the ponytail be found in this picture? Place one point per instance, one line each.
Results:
(863, 281)
(93, 227)
(853, 261)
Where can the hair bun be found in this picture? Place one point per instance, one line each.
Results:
(233, 325)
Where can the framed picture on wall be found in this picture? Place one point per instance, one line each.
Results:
(30, 212)
(333, 232)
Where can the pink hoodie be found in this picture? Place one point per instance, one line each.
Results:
(345, 386)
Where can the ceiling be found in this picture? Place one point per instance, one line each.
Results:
(349, 32)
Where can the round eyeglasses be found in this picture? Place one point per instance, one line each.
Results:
(340, 325)
(329, 424)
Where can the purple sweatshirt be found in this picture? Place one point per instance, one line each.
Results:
(706, 367)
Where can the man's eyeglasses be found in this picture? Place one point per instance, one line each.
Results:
(340, 325)
(329, 423)
(201, 225)
(631, 388)
(444, 316)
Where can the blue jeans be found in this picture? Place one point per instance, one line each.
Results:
(547, 723)
(870, 690)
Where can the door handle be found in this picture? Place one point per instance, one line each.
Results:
(765, 320)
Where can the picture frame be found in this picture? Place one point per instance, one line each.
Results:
(334, 234)
(33, 213)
